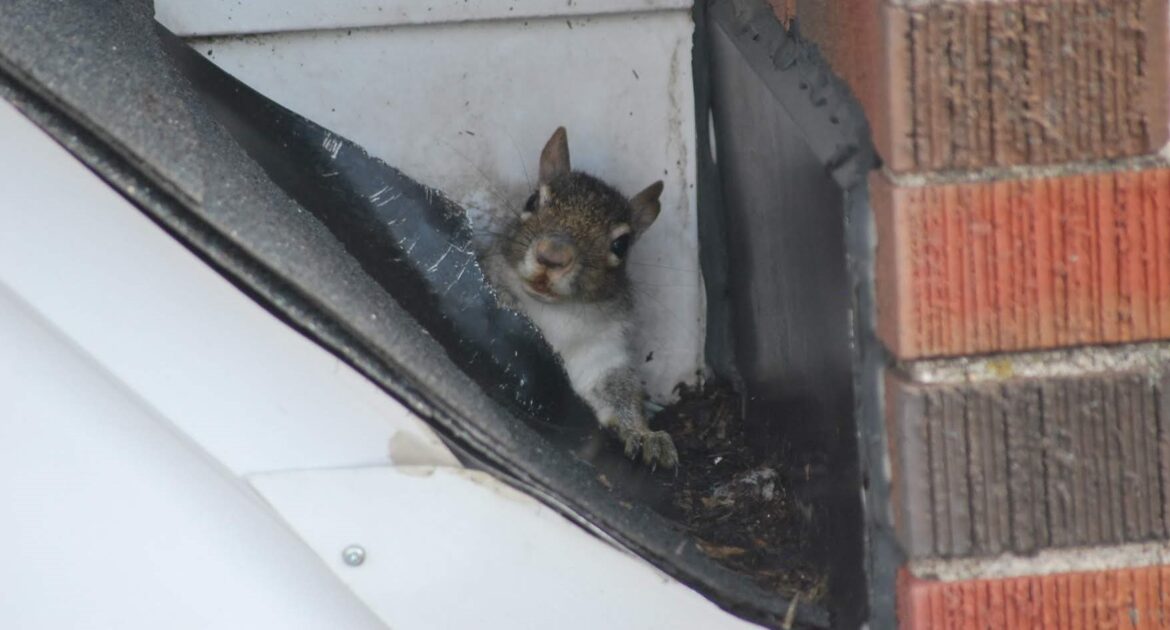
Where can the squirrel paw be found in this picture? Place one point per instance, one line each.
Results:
(656, 446)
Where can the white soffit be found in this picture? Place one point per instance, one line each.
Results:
(253, 392)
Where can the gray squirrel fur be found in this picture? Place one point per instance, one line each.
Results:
(562, 262)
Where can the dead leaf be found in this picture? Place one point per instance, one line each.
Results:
(720, 552)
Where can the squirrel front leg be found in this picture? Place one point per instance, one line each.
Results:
(617, 400)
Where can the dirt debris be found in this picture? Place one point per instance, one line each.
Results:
(744, 506)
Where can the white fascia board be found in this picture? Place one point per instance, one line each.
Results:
(457, 548)
(232, 17)
(109, 518)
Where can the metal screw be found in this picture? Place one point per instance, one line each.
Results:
(353, 555)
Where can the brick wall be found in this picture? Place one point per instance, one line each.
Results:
(1023, 293)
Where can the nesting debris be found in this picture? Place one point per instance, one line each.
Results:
(743, 506)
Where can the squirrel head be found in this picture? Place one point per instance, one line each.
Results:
(571, 240)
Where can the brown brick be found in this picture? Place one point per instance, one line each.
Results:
(963, 85)
(1134, 598)
(1023, 264)
(1022, 464)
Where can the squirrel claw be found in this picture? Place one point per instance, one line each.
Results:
(633, 441)
(657, 447)
(658, 450)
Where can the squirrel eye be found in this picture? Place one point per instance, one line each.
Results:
(620, 245)
(530, 205)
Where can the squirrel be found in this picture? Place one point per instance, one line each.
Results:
(562, 262)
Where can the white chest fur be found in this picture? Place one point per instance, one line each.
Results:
(591, 340)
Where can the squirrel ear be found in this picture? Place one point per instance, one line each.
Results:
(554, 159)
(646, 207)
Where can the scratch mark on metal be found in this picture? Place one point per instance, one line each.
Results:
(458, 276)
(434, 267)
(388, 200)
(332, 145)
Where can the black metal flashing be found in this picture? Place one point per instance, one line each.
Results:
(830, 128)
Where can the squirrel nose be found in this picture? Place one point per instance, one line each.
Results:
(554, 253)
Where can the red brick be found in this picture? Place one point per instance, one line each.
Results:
(1137, 598)
(1025, 264)
(962, 85)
